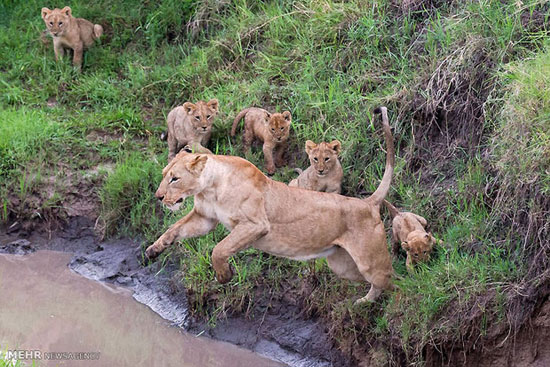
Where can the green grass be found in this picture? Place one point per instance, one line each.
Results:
(445, 73)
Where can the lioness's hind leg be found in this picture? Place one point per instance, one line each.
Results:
(342, 264)
(372, 258)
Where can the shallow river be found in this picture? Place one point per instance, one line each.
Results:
(46, 307)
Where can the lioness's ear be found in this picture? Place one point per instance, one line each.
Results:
(336, 146)
(405, 246)
(66, 10)
(197, 164)
(287, 116)
(187, 149)
(45, 12)
(310, 146)
(189, 107)
(213, 104)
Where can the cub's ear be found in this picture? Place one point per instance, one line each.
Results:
(189, 107)
(336, 146)
(45, 12)
(433, 241)
(213, 104)
(197, 164)
(287, 116)
(405, 246)
(66, 10)
(310, 146)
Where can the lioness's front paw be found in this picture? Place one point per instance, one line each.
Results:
(224, 275)
(154, 250)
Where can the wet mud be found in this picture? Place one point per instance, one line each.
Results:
(49, 309)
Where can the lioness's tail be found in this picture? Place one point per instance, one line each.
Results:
(378, 196)
(98, 31)
(392, 209)
(237, 119)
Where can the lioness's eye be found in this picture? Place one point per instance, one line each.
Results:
(197, 117)
(60, 23)
(208, 117)
(174, 179)
(415, 255)
(315, 159)
(282, 128)
(272, 129)
(425, 252)
(51, 23)
(326, 159)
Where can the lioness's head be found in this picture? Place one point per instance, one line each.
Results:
(181, 178)
(323, 156)
(201, 114)
(56, 20)
(419, 245)
(279, 125)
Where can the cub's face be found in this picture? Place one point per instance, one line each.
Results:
(419, 246)
(56, 20)
(201, 115)
(323, 156)
(279, 125)
(180, 179)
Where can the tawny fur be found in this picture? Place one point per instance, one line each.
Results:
(67, 32)
(409, 233)
(325, 173)
(190, 124)
(281, 220)
(271, 129)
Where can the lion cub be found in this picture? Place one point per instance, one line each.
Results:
(408, 229)
(75, 33)
(325, 173)
(271, 129)
(190, 124)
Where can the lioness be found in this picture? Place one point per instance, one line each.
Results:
(68, 32)
(190, 124)
(285, 221)
(325, 173)
(271, 129)
(408, 231)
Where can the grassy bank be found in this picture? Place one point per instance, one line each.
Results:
(467, 87)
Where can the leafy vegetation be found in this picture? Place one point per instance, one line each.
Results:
(466, 83)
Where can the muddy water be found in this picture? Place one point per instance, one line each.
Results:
(44, 306)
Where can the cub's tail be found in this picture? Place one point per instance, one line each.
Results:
(237, 119)
(392, 209)
(378, 196)
(98, 31)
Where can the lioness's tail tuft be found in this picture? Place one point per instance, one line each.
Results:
(164, 136)
(378, 196)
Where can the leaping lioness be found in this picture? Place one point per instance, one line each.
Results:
(284, 221)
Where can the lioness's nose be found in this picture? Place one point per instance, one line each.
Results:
(321, 170)
(159, 195)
